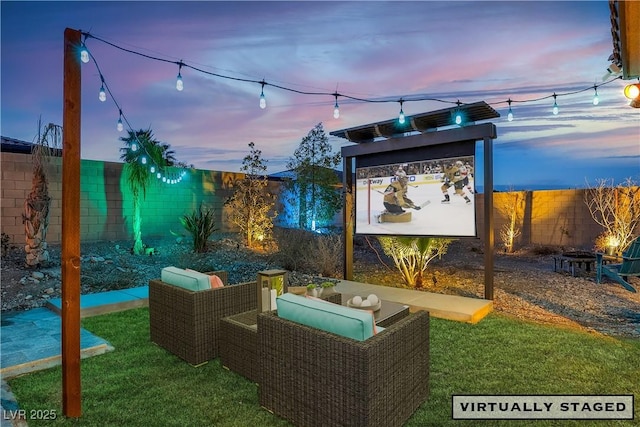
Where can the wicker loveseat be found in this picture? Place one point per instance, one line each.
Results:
(316, 378)
(187, 323)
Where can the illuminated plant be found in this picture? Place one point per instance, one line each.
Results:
(141, 145)
(201, 224)
(412, 255)
(37, 203)
(512, 209)
(314, 189)
(616, 209)
(252, 205)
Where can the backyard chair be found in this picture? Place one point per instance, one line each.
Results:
(620, 272)
(316, 378)
(187, 323)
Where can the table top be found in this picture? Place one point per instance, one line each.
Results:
(387, 309)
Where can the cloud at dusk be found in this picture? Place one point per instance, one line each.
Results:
(449, 51)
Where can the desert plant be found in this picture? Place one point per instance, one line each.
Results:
(201, 224)
(36, 206)
(616, 209)
(412, 255)
(252, 205)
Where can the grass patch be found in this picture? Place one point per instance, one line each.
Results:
(140, 384)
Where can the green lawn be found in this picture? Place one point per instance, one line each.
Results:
(140, 384)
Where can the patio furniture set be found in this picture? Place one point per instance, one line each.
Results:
(316, 363)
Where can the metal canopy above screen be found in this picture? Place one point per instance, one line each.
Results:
(417, 123)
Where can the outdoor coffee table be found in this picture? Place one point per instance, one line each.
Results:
(573, 258)
(239, 337)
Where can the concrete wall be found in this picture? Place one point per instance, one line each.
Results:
(558, 217)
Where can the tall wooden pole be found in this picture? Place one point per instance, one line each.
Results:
(71, 399)
(488, 218)
(347, 218)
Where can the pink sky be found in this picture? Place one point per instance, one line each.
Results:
(474, 51)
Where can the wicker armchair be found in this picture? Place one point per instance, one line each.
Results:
(187, 323)
(315, 378)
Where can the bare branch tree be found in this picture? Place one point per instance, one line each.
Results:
(616, 209)
(512, 209)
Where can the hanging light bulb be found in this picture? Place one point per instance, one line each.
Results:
(179, 84)
(143, 159)
(596, 100)
(158, 175)
(555, 106)
(102, 96)
(401, 117)
(336, 109)
(134, 147)
(510, 112)
(263, 101)
(84, 53)
(120, 126)
(152, 169)
(458, 116)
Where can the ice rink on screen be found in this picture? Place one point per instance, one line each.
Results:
(455, 219)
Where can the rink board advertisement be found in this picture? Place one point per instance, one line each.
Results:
(429, 197)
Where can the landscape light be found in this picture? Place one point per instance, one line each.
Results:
(401, 114)
(263, 101)
(510, 113)
(555, 105)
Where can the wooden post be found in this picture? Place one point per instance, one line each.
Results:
(71, 399)
(488, 218)
(347, 218)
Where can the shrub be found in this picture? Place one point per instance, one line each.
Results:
(412, 255)
(201, 225)
(301, 250)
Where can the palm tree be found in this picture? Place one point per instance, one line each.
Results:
(38, 202)
(142, 150)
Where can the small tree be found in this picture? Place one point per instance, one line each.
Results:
(616, 209)
(252, 205)
(37, 203)
(141, 145)
(412, 255)
(512, 209)
(314, 188)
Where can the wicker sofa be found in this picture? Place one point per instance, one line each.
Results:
(187, 323)
(316, 378)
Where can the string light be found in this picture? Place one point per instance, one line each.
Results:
(458, 118)
(84, 52)
(263, 101)
(102, 96)
(179, 84)
(120, 126)
(336, 108)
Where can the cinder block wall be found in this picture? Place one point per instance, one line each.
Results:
(558, 217)
(106, 201)
(546, 217)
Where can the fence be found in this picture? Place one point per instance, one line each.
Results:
(554, 217)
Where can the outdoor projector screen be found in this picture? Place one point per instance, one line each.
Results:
(425, 209)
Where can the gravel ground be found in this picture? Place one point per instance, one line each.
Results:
(525, 285)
